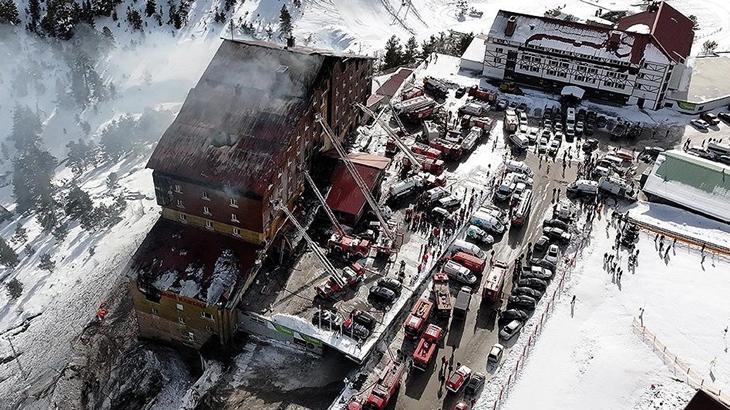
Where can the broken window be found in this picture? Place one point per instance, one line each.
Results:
(234, 202)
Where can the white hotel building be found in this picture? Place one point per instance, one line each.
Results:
(636, 63)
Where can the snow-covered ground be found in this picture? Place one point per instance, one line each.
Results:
(593, 357)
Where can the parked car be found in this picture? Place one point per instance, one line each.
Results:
(391, 283)
(590, 145)
(553, 147)
(556, 234)
(441, 215)
(458, 379)
(354, 330)
(551, 257)
(495, 354)
(449, 202)
(710, 118)
(701, 125)
(382, 294)
(364, 319)
(326, 319)
(514, 314)
(501, 105)
(542, 145)
(578, 128)
(510, 330)
(725, 116)
(537, 272)
(534, 283)
(533, 293)
(477, 234)
(474, 385)
(460, 92)
(557, 223)
(523, 302)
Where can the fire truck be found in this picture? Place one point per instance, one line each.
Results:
(435, 87)
(416, 321)
(449, 149)
(442, 294)
(482, 94)
(426, 348)
(349, 246)
(492, 291)
(412, 92)
(511, 121)
(352, 276)
(385, 388)
(425, 150)
(431, 165)
(416, 108)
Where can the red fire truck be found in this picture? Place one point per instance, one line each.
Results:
(442, 294)
(482, 94)
(425, 150)
(349, 246)
(492, 291)
(412, 92)
(426, 348)
(449, 149)
(431, 165)
(416, 321)
(331, 289)
(386, 386)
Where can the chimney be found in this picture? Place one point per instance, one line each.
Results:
(290, 42)
(613, 41)
(511, 26)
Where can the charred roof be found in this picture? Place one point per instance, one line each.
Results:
(241, 114)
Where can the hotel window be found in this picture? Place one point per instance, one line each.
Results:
(206, 211)
(209, 225)
(234, 202)
(206, 315)
(181, 320)
(178, 189)
(236, 232)
(182, 217)
(155, 312)
(179, 306)
(205, 196)
(180, 203)
(234, 218)
(499, 50)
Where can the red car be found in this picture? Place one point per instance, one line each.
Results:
(458, 379)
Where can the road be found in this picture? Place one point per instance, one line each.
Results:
(469, 341)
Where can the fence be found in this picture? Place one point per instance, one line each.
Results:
(686, 239)
(679, 368)
(565, 274)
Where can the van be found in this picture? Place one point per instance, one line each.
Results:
(520, 141)
(459, 273)
(518, 166)
(570, 116)
(583, 187)
(461, 245)
(434, 194)
(612, 160)
(523, 208)
(506, 188)
(474, 264)
(449, 202)
(618, 187)
(487, 222)
(405, 187)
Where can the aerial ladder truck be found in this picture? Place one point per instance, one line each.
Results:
(338, 281)
(393, 136)
(385, 228)
(339, 241)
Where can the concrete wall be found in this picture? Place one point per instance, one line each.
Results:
(688, 107)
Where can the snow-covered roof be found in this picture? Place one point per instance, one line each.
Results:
(192, 262)
(476, 49)
(589, 41)
(692, 182)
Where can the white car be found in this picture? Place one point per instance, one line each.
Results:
(700, 124)
(475, 233)
(495, 354)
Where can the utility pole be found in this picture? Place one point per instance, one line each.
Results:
(15, 355)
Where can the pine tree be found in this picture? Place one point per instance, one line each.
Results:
(393, 53)
(46, 263)
(47, 216)
(20, 236)
(33, 170)
(80, 156)
(14, 288)
(60, 232)
(411, 51)
(26, 128)
(150, 7)
(34, 15)
(134, 19)
(8, 12)
(297, 3)
(285, 27)
(79, 207)
(8, 257)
